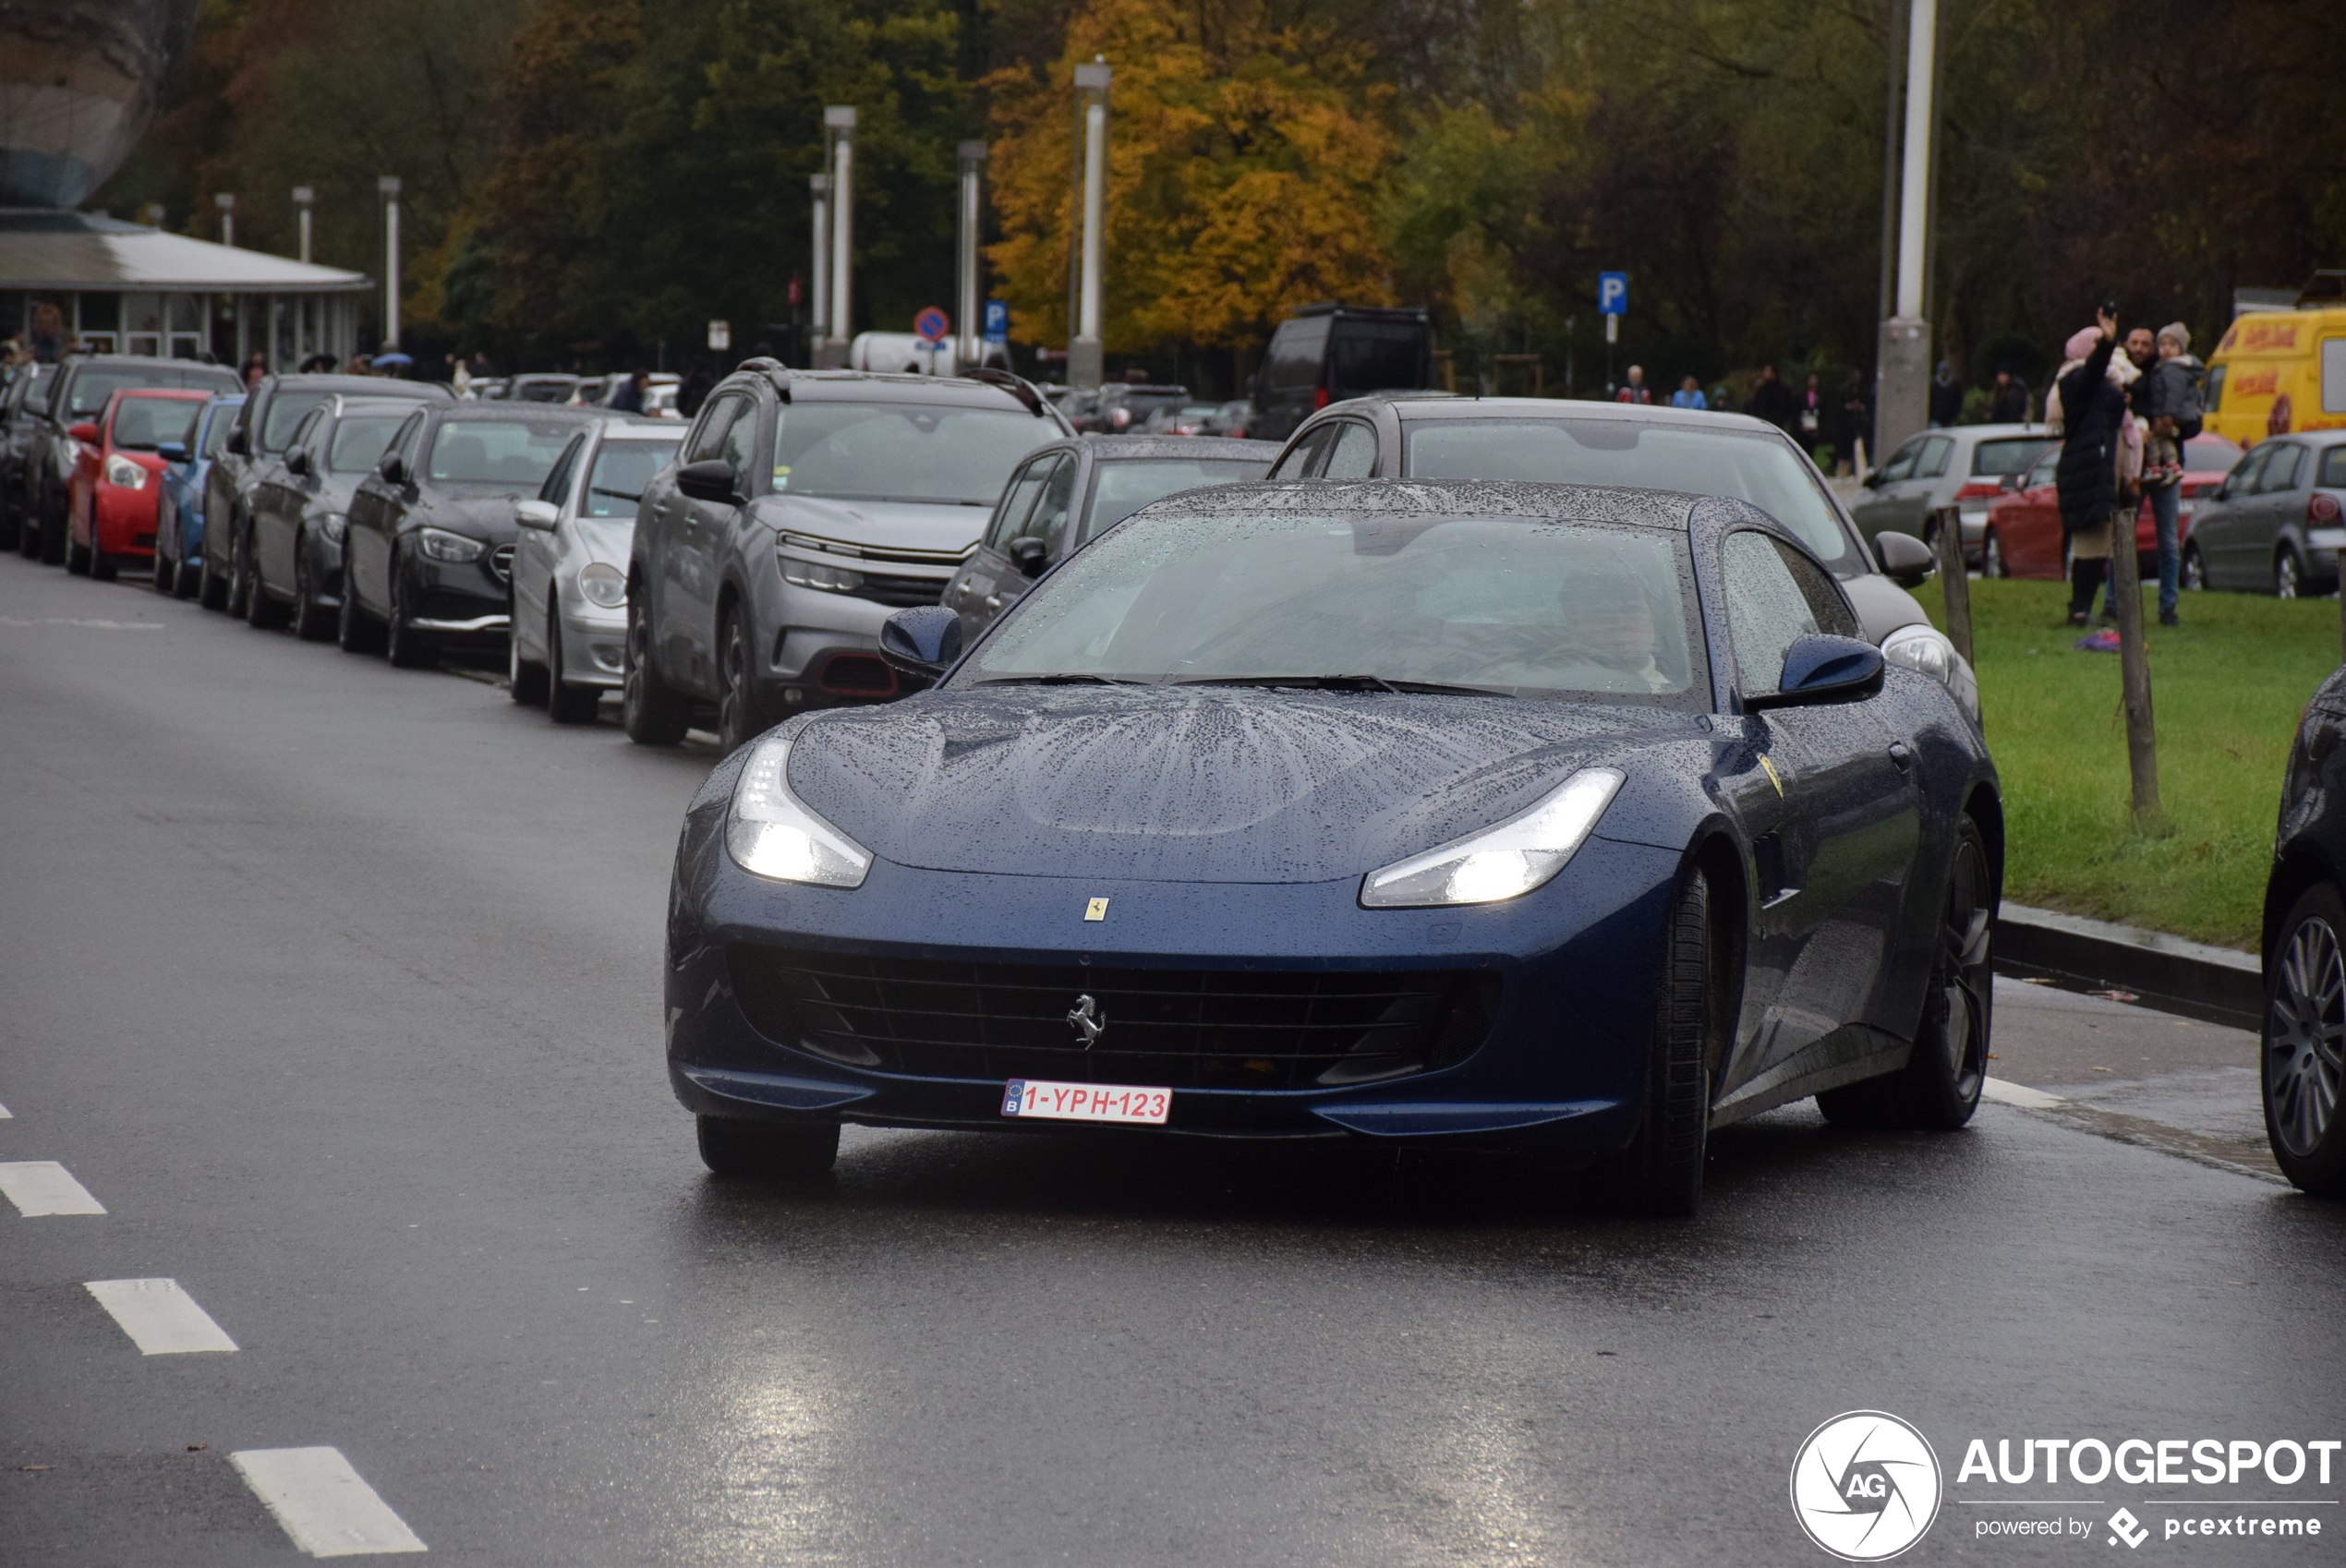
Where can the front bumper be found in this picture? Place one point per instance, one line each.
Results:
(819, 649)
(594, 641)
(455, 603)
(1559, 1071)
(125, 520)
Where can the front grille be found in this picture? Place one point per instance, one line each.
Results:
(901, 592)
(1181, 1028)
(500, 563)
(857, 675)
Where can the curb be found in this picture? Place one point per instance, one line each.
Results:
(2213, 985)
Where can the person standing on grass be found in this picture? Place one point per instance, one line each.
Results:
(1635, 388)
(2157, 403)
(1773, 401)
(2008, 400)
(2088, 410)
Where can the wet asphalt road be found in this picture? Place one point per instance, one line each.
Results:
(337, 986)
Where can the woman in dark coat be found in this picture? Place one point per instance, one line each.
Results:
(2092, 411)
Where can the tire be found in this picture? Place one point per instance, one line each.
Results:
(239, 573)
(2289, 573)
(312, 622)
(656, 713)
(1661, 1171)
(263, 612)
(54, 534)
(767, 1151)
(29, 535)
(184, 580)
(353, 630)
(566, 701)
(77, 555)
(104, 567)
(2304, 1034)
(166, 571)
(212, 578)
(1938, 1089)
(403, 644)
(1991, 555)
(524, 681)
(737, 719)
(2194, 571)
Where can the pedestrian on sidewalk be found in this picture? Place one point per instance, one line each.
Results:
(2088, 410)
(1808, 418)
(1635, 388)
(1852, 431)
(1688, 396)
(1773, 401)
(2008, 402)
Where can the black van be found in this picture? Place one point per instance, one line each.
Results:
(1324, 353)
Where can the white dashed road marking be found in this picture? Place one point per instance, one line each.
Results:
(5, 1114)
(322, 1502)
(44, 1186)
(160, 1318)
(2006, 1093)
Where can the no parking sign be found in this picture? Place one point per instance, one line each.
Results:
(933, 324)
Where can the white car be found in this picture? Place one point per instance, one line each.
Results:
(1965, 466)
(569, 610)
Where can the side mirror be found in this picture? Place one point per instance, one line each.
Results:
(1820, 668)
(536, 514)
(1029, 554)
(1873, 480)
(173, 452)
(923, 641)
(709, 479)
(85, 432)
(298, 461)
(1905, 559)
(237, 442)
(393, 470)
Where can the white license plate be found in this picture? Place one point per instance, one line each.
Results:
(1085, 1101)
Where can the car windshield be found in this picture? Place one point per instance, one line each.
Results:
(143, 424)
(1126, 486)
(1757, 466)
(1510, 606)
(86, 392)
(498, 451)
(909, 452)
(286, 411)
(1993, 460)
(359, 442)
(622, 470)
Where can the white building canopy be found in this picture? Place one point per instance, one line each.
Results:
(51, 249)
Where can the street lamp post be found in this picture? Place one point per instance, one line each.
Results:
(839, 129)
(1084, 353)
(1902, 382)
(304, 199)
(973, 344)
(227, 205)
(818, 308)
(389, 185)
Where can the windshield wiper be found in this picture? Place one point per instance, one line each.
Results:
(615, 495)
(1346, 683)
(1062, 680)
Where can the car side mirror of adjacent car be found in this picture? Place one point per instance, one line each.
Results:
(85, 432)
(1873, 481)
(173, 452)
(709, 479)
(1029, 554)
(1905, 559)
(235, 442)
(923, 641)
(536, 514)
(297, 462)
(1822, 668)
(393, 472)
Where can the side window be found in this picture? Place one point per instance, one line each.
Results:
(716, 422)
(1354, 454)
(1932, 464)
(1901, 465)
(557, 485)
(1017, 500)
(2334, 375)
(740, 447)
(1303, 459)
(1051, 508)
(1825, 601)
(306, 432)
(2211, 389)
(2242, 480)
(404, 443)
(2334, 468)
(1767, 608)
(2279, 472)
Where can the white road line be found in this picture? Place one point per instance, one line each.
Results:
(2006, 1093)
(160, 1318)
(44, 1186)
(5, 1115)
(324, 1505)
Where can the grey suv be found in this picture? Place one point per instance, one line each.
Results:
(805, 509)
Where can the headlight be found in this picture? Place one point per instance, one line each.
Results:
(1504, 862)
(604, 585)
(332, 526)
(815, 574)
(442, 545)
(121, 471)
(769, 833)
(1924, 649)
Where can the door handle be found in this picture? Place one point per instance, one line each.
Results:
(1902, 756)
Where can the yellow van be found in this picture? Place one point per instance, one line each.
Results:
(2278, 372)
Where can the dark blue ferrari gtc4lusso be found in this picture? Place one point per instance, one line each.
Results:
(1538, 818)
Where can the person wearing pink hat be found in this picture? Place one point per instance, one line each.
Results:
(2088, 410)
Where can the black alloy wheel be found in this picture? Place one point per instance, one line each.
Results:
(567, 702)
(55, 530)
(239, 571)
(2289, 573)
(656, 713)
(1939, 1088)
(29, 535)
(2194, 571)
(767, 1151)
(2305, 1043)
(1661, 1171)
(104, 567)
(353, 630)
(403, 644)
(524, 681)
(212, 577)
(263, 610)
(312, 622)
(166, 569)
(737, 720)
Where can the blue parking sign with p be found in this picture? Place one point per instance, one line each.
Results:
(1613, 293)
(997, 320)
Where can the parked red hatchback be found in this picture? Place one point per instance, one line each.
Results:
(2024, 538)
(110, 500)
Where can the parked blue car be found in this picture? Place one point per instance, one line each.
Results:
(179, 507)
(1533, 818)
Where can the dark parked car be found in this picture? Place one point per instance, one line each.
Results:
(1326, 354)
(1444, 438)
(75, 395)
(18, 416)
(301, 511)
(271, 414)
(1554, 820)
(1076, 489)
(179, 508)
(805, 506)
(2305, 947)
(1124, 408)
(426, 553)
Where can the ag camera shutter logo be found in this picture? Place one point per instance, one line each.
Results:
(1865, 1485)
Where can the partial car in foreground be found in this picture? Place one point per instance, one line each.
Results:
(1532, 818)
(2304, 1050)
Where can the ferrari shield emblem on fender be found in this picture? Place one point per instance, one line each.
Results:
(1096, 910)
(1088, 1021)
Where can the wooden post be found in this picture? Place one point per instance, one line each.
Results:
(2134, 661)
(1954, 581)
(2342, 602)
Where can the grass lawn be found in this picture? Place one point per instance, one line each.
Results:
(2227, 688)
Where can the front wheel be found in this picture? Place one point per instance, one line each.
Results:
(656, 713)
(737, 722)
(524, 679)
(1661, 1171)
(212, 577)
(2305, 1043)
(403, 644)
(77, 555)
(2289, 573)
(566, 701)
(352, 631)
(312, 622)
(2194, 569)
(767, 1150)
(239, 573)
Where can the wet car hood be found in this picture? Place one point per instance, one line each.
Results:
(883, 525)
(1219, 784)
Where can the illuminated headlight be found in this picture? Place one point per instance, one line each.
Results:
(121, 471)
(816, 574)
(334, 524)
(455, 549)
(1504, 862)
(604, 585)
(770, 833)
(1923, 649)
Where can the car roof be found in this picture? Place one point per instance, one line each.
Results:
(878, 386)
(516, 411)
(643, 430)
(364, 386)
(182, 394)
(1488, 498)
(1125, 448)
(1445, 406)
